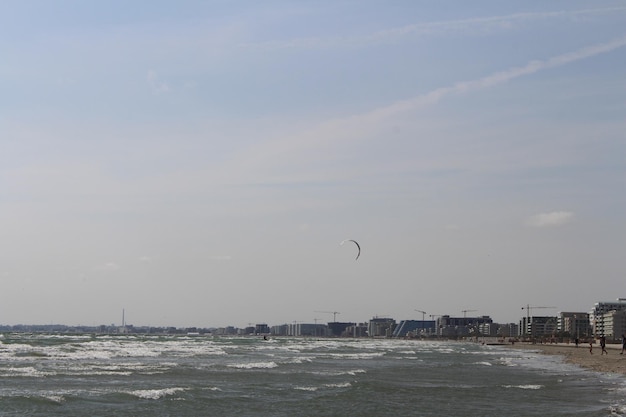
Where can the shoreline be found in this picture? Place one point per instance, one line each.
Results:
(613, 362)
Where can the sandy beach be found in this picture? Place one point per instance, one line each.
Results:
(611, 362)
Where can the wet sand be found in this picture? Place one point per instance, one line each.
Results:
(611, 362)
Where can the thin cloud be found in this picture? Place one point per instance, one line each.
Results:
(551, 219)
(107, 267)
(155, 83)
(479, 25)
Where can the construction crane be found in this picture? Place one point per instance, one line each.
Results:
(334, 313)
(423, 314)
(528, 308)
(465, 313)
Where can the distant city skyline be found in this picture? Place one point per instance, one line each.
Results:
(334, 317)
(202, 161)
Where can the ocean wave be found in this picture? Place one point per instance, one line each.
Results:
(351, 372)
(356, 371)
(27, 371)
(107, 349)
(363, 355)
(527, 386)
(535, 360)
(339, 385)
(299, 360)
(155, 394)
(313, 389)
(253, 365)
(301, 388)
(57, 399)
(617, 410)
(99, 369)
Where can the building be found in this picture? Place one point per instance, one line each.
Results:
(357, 330)
(614, 324)
(338, 328)
(381, 327)
(448, 326)
(597, 315)
(414, 328)
(279, 330)
(224, 331)
(488, 329)
(261, 329)
(508, 330)
(307, 329)
(573, 324)
(538, 326)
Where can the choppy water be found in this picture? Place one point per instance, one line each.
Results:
(44, 375)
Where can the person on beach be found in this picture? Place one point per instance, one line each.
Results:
(603, 345)
(623, 344)
(591, 347)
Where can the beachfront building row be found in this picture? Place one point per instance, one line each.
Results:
(300, 329)
(454, 327)
(606, 319)
(609, 319)
(385, 327)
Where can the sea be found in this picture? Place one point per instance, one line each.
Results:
(133, 375)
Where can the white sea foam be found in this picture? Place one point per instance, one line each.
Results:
(253, 365)
(155, 394)
(356, 371)
(527, 386)
(617, 410)
(313, 389)
(59, 399)
(300, 360)
(339, 385)
(27, 371)
(364, 355)
(485, 363)
(536, 360)
(300, 388)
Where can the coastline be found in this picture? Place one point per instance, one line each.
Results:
(613, 362)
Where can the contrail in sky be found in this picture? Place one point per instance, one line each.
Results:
(497, 78)
(352, 127)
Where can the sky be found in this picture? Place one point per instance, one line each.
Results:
(198, 163)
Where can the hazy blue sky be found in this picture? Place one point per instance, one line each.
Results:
(197, 163)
